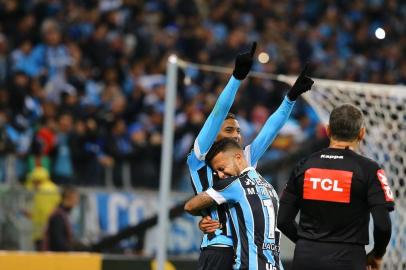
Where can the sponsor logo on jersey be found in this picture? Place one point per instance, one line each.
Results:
(327, 185)
(384, 183)
(270, 267)
(271, 246)
(332, 157)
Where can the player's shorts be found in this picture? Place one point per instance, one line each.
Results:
(312, 255)
(216, 258)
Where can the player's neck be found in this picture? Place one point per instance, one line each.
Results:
(343, 145)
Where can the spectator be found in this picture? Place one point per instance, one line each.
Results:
(59, 231)
(51, 57)
(118, 145)
(62, 166)
(4, 65)
(143, 167)
(88, 154)
(45, 199)
(105, 60)
(6, 145)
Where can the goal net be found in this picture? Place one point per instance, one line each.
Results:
(384, 108)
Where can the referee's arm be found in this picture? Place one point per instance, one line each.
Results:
(286, 217)
(382, 229)
(381, 202)
(289, 208)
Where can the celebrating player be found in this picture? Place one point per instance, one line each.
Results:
(335, 190)
(217, 247)
(253, 204)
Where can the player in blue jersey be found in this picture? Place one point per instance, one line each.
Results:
(253, 204)
(217, 251)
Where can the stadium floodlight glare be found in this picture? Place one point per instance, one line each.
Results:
(173, 58)
(380, 33)
(263, 58)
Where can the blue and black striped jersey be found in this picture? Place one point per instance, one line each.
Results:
(253, 207)
(202, 176)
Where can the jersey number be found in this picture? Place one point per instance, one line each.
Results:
(271, 217)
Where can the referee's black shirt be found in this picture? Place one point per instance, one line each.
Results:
(334, 189)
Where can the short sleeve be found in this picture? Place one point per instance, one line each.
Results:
(292, 192)
(226, 190)
(379, 192)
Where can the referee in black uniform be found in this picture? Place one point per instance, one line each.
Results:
(336, 190)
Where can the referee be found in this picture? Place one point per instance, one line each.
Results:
(336, 190)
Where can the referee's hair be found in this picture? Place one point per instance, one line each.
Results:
(222, 145)
(345, 122)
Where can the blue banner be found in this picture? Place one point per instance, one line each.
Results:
(106, 213)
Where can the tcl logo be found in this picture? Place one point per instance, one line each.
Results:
(327, 185)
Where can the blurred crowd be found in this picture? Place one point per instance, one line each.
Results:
(82, 83)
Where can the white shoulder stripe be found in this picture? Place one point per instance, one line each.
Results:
(216, 196)
(247, 154)
(197, 152)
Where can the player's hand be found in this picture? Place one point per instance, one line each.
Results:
(302, 84)
(243, 63)
(373, 262)
(207, 225)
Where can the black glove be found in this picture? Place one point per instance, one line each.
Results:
(302, 84)
(243, 63)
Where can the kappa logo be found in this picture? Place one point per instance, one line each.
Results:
(384, 183)
(327, 185)
(332, 156)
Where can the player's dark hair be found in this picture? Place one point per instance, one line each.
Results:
(345, 122)
(230, 116)
(222, 145)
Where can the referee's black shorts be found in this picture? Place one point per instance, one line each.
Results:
(313, 255)
(216, 258)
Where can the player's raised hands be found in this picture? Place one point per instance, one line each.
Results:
(243, 63)
(302, 84)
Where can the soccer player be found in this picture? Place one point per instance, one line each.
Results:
(335, 190)
(253, 205)
(217, 247)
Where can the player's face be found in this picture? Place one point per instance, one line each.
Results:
(225, 164)
(230, 129)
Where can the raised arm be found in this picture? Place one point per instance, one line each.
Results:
(212, 126)
(276, 121)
